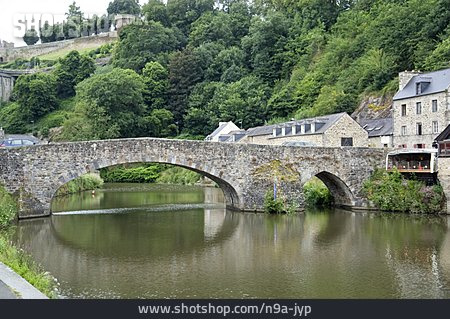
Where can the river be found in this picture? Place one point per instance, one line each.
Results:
(162, 241)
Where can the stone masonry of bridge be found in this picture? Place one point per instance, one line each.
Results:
(33, 174)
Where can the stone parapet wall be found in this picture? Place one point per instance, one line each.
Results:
(11, 54)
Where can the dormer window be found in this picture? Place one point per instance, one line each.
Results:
(418, 88)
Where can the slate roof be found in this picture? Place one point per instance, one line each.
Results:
(216, 131)
(445, 134)
(327, 121)
(22, 136)
(378, 127)
(439, 81)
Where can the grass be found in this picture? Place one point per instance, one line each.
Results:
(8, 208)
(55, 55)
(23, 265)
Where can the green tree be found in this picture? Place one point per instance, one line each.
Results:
(159, 123)
(71, 70)
(156, 80)
(244, 101)
(184, 12)
(156, 10)
(140, 44)
(440, 57)
(124, 6)
(265, 43)
(31, 37)
(185, 71)
(47, 33)
(36, 95)
(109, 105)
(202, 116)
(73, 26)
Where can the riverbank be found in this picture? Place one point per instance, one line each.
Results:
(15, 258)
(80, 184)
(150, 173)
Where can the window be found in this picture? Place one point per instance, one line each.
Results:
(434, 106)
(419, 145)
(403, 131)
(418, 108)
(418, 88)
(435, 127)
(16, 142)
(402, 146)
(347, 141)
(27, 142)
(418, 128)
(403, 109)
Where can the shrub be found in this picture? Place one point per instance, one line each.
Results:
(390, 191)
(278, 205)
(140, 174)
(317, 194)
(178, 175)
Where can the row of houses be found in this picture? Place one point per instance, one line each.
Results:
(420, 113)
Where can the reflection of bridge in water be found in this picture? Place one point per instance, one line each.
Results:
(223, 252)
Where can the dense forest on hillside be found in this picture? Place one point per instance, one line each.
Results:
(192, 63)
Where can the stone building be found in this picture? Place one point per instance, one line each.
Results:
(332, 130)
(420, 108)
(380, 131)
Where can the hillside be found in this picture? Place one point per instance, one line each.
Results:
(195, 64)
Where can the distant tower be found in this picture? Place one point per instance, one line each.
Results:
(122, 20)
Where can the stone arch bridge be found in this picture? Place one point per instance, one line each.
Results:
(243, 171)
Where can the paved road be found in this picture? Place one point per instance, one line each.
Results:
(5, 292)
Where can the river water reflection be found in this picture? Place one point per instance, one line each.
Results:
(159, 241)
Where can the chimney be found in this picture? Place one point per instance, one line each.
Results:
(2, 133)
(405, 77)
(222, 123)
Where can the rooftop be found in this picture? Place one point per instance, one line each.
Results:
(378, 127)
(325, 122)
(432, 82)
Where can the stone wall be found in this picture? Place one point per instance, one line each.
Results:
(316, 139)
(444, 178)
(11, 54)
(426, 118)
(345, 127)
(243, 171)
(6, 87)
(381, 141)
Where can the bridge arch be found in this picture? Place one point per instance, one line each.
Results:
(231, 196)
(341, 192)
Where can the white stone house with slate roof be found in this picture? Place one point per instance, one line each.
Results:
(222, 132)
(421, 108)
(332, 130)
